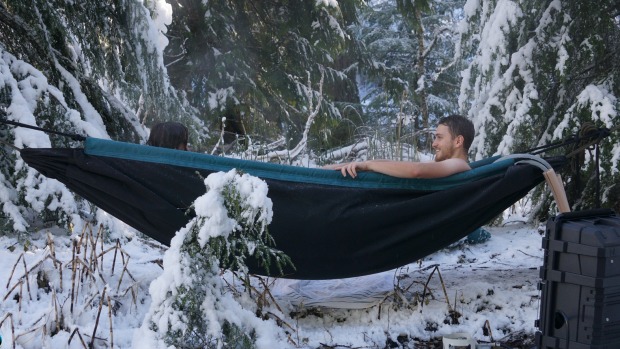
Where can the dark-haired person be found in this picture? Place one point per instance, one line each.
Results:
(169, 134)
(452, 139)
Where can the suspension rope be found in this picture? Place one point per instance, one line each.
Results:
(73, 136)
(10, 145)
(587, 136)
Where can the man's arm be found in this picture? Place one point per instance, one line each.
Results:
(404, 169)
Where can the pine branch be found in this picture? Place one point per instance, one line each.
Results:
(314, 111)
(43, 56)
(434, 41)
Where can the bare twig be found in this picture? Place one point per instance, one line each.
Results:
(12, 289)
(13, 270)
(120, 279)
(73, 272)
(267, 291)
(77, 331)
(221, 139)
(92, 341)
(487, 326)
(436, 269)
(55, 304)
(9, 316)
(111, 323)
(115, 253)
(57, 263)
(314, 111)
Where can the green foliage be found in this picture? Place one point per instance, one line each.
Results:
(90, 68)
(189, 298)
(250, 238)
(255, 57)
(115, 64)
(408, 86)
(198, 306)
(541, 72)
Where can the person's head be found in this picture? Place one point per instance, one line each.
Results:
(453, 137)
(169, 134)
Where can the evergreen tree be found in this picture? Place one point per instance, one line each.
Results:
(249, 62)
(192, 306)
(410, 77)
(542, 71)
(92, 68)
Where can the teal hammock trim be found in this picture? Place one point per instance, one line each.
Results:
(366, 180)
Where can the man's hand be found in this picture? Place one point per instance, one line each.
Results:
(349, 168)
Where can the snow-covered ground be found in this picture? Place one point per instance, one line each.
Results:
(491, 285)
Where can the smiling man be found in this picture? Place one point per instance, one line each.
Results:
(452, 139)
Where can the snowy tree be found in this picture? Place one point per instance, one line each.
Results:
(409, 77)
(92, 68)
(539, 72)
(192, 305)
(248, 62)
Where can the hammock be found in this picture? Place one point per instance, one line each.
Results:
(330, 226)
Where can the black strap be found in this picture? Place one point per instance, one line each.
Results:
(593, 136)
(73, 136)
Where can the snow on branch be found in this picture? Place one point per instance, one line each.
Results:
(314, 111)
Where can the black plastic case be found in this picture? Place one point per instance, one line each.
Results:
(580, 282)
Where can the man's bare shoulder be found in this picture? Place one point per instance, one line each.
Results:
(457, 162)
(449, 167)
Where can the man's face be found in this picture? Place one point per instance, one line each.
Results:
(443, 144)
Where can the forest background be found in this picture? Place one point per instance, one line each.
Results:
(302, 83)
(308, 83)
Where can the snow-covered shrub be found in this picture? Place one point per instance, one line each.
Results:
(191, 304)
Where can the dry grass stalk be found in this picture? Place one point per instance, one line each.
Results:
(87, 271)
(44, 332)
(75, 251)
(125, 270)
(50, 254)
(443, 285)
(26, 278)
(487, 327)
(134, 293)
(399, 293)
(111, 322)
(10, 317)
(92, 341)
(57, 318)
(13, 270)
(77, 331)
(80, 241)
(21, 296)
(100, 236)
(22, 279)
(115, 254)
(86, 263)
(261, 298)
(92, 259)
(267, 292)
(88, 303)
(52, 251)
(18, 283)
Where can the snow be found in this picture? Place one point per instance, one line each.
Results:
(494, 281)
(329, 3)
(219, 98)
(93, 124)
(161, 17)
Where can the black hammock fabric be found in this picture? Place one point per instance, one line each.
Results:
(331, 227)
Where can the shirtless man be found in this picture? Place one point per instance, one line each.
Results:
(452, 139)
